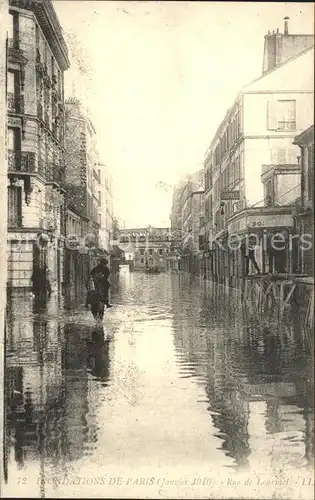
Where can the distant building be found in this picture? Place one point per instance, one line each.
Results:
(150, 246)
(106, 210)
(82, 181)
(255, 139)
(305, 141)
(176, 224)
(36, 60)
(191, 203)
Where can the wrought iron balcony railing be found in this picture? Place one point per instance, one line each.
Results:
(14, 220)
(21, 161)
(14, 43)
(54, 173)
(15, 103)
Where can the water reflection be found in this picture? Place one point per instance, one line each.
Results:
(256, 375)
(47, 367)
(189, 375)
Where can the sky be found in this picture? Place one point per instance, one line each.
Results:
(157, 78)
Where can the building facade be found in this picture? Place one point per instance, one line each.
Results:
(84, 198)
(82, 180)
(150, 247)
(252, 162)
(305, 141)
(36, 60)
(176, 225)
(192, 213)
(106, 207)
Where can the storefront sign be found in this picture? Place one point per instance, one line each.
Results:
(230, 195)
(270, 220)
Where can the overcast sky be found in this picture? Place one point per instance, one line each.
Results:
(157, 78)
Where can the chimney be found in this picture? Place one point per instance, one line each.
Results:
(286, 25)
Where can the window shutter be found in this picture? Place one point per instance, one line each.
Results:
(272, 122)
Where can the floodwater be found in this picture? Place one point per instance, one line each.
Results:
(183, 394)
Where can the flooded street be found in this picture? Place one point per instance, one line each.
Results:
(182, 394)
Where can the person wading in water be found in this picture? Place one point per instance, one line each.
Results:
(99, 275)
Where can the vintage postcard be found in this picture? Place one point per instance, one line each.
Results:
(157, 271)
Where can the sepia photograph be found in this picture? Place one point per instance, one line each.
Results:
(157, 260)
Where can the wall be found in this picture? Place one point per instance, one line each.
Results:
(264, 146)
(287, 188)
(154, 260)
(258, 123)
(279, 48)
(27, 44)
(197, 212)
(43, 210)
(308, 169)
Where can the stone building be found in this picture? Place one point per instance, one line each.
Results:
(36, 60)
(106, 207)
(150, 247)
(251, 161)
(82, 180)
(83, 199)
(176, 224)
(305, 141)
(192, 212)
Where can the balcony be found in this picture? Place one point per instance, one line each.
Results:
(58, 175)
(14, 43)
(55, 173)
(21, 161)
(15, 103)
(14, 221)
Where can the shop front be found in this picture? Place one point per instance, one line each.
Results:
(266, 235)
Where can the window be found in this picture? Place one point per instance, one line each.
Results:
(237, 170)
(11, 26)
(150, 262)
(286, 114)
(13, 29)
(142, 261)
(236, 206)
(269, 187)
(14, 206)
(161, 251)
(14, 139)
(151, 251)
(141, 251)
(11, 82)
